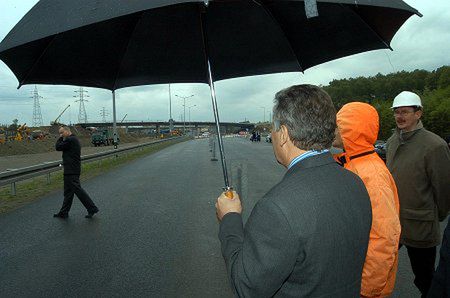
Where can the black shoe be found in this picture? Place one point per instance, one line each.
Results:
(90, 214)
(61, 215)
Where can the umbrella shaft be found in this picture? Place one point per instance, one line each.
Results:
(219, 136)
(114, 119)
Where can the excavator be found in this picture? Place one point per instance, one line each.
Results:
(56, 121)
(22, 132)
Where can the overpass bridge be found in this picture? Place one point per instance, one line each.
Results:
(226, 127)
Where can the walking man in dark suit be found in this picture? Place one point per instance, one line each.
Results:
(308, 236)
(71, 148)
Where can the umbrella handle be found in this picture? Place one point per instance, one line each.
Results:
(229, 194)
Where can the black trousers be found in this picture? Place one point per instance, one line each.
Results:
(72, 186)
(422, 263)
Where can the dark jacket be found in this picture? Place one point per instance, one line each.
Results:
(440, 287)
(307, 237)
(71, 156)
(419, 161)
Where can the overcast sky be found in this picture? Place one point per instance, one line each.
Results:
(422, 43)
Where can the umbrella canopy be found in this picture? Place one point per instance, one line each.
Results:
(113, 44)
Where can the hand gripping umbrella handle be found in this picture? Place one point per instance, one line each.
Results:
(229, 192)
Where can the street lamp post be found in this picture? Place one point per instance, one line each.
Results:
(264, 119)
(190, 128)
(170, 111)
(184, 110)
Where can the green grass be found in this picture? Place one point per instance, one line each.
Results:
(30, 190)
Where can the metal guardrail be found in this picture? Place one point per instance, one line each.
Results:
(15, 175)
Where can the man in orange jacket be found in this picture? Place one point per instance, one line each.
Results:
(357, 131)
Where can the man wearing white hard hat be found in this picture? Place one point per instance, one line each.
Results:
(419, 161)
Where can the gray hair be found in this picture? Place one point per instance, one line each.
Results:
(309, 115)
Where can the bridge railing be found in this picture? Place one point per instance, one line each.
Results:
(13, 176)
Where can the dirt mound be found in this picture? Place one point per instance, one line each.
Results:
(48, 144)
(28, 146)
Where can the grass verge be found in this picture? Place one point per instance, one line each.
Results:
(29, 190)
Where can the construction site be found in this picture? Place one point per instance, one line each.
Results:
(29, 140)
(19, 138)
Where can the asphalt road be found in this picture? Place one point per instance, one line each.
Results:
(155, 235)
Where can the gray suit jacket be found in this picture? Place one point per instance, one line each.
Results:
(307, 237)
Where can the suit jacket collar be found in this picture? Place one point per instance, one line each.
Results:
(312, 162)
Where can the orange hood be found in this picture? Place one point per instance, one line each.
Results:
(358, 125)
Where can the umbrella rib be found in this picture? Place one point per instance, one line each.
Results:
(126, 50)
(22, 82)
(367, 25)
(267, 10)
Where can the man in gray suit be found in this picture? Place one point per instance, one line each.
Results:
(308, 236)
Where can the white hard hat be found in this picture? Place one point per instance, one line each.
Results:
(406, 99)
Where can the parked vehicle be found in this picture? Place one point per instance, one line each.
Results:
(380, 149)
(269, 138)
(102, 137)
(176, 132)
(97, 139)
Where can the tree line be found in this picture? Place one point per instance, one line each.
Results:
(432, 86)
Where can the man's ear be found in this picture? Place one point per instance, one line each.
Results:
(284, 135)
(419, 114)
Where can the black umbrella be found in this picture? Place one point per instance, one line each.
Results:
(113, 44)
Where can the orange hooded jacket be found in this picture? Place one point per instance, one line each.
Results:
(358, 126)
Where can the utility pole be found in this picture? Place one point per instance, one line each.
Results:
(82, 116)
(184, 110)
(37, 115)
(104, 113)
